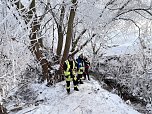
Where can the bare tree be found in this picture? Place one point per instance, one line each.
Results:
(36, 43)
(60, 31)
(69, 31)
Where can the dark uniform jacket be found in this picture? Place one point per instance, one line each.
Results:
(71, 66)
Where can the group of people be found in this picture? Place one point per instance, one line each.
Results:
(76, 71)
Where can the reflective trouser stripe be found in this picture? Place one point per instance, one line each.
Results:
(68, 78)
(67, 87)
(74, 73)
(81, 70)
(75, 86)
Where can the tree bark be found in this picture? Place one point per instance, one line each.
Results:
(36, 49)
(60, 32)
(69, 31)
(37, 43)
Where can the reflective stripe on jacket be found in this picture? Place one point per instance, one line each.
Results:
(67, 72)
(81, 70)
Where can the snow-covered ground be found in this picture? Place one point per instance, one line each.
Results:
(90, 99)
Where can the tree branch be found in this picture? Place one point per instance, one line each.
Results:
(139, 31)
(83, 45)
(109, 3)
(74, 43)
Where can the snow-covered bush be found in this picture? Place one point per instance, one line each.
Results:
(128, 71)
(15, 55)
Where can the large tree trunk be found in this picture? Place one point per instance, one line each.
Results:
(37, 43)
(60, 41)
(60, 32)
(36, 49)
(69, 31)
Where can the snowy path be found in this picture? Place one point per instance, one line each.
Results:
(91, 99)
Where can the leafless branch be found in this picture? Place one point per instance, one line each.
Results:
(75, 42)
(83, 45)
(125, 4)
(139, 31)
(143, 15)
(109, 3)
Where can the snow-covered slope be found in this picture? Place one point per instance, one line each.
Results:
(91, 99)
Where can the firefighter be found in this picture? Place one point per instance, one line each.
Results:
(80, 68)
(69, 68)
(86, 67)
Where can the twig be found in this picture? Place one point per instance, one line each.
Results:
(30, 110)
